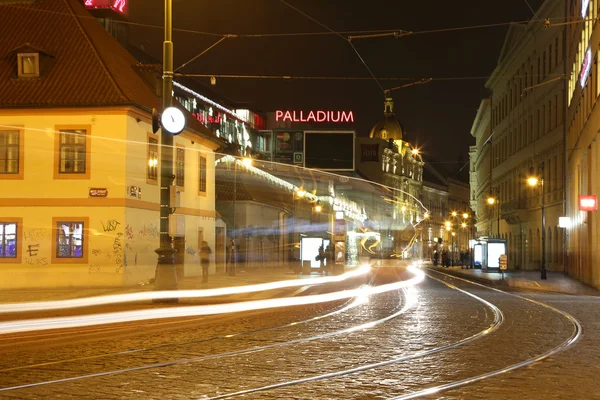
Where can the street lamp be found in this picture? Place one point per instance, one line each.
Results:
(533, 181)
(491, 200)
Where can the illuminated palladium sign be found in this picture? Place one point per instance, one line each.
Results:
(314, 116)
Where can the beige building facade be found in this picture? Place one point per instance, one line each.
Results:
(582, 123)
(524, 138)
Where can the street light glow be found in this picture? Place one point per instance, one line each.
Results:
(454, 213)
(532, 181)
(491, 201)
(426, 215)
(415, 152)
(247, 161)
(447, 223)
(465, 215)
(464, 225)
(318, 208)
(300, 192)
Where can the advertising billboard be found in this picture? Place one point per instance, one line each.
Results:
(329, 150)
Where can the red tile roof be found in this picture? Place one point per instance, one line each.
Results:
(88, 66)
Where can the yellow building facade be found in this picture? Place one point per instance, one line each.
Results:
(85, 201)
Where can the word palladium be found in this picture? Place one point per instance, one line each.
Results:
(314, 116)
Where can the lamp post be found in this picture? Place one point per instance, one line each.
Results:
(166, 276)
(534, 181)
(495, 200)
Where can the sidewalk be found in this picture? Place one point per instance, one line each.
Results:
(557, 282)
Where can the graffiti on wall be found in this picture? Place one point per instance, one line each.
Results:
(110, 225)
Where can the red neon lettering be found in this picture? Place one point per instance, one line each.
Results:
(89, 3)
(314, 116)
(347, 117)
(119, 5)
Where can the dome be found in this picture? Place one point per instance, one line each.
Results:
(387, 127)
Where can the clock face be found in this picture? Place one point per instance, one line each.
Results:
(173, 120)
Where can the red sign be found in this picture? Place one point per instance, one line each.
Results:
(588, 203)
(120, 6)
(209, 119)
(314, 116)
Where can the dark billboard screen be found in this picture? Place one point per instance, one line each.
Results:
(333, 150)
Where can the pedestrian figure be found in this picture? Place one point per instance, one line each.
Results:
(330, 259)
(436, 258)
(321, 260)
(205, 252)
(232, 257)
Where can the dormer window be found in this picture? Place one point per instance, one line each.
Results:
(29, 65)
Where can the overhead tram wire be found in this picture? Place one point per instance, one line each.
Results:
(203, 52)
(388, 32)
(341, 36)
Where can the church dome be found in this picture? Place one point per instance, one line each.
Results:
(387, 127)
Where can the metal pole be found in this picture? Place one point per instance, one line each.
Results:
(543, 269)
(233, 234)
(166, 275)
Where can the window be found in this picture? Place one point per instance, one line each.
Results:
(69, 239)
(72, 154)
(9, 230)
(152, 167)
(29, 65)
(202, 174)
(11, 154)
(180, 167)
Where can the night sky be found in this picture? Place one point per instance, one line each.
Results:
(437, 117)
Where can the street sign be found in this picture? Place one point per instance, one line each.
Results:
(503, 262)
(588, 203)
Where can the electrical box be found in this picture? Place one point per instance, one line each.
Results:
(176, 225)
(175, 194)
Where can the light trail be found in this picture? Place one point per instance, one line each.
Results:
(347, 306)
(141, 315)
(180, 294)
(411, 300)
(575, 336)
(498, 319)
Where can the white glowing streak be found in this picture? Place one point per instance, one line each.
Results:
(141, 315)
(180, 294)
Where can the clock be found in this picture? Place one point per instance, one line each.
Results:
(173, 120)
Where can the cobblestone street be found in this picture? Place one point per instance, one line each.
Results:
(214, 356)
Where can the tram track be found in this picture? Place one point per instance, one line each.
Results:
(575, 335)
(257, 349)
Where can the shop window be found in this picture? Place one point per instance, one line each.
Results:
(11, 154)
(152, 161)
(180, 167)
(70, 241)
(10, 240)
(202, 175)
(72, 154)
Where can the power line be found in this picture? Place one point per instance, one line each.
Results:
(201, 53)
(341, 36)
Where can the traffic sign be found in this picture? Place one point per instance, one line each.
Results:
(503, 261)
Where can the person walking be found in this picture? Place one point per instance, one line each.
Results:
(205, 252)
(321, 260)
(330, 257)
